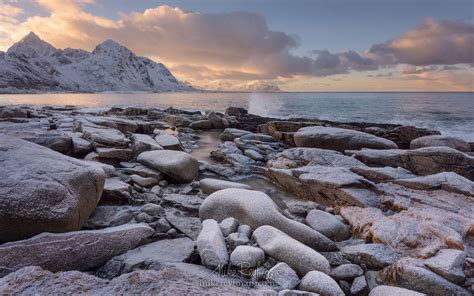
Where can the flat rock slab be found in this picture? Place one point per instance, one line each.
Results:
(43, 190)
(190, 226)
(148, 256)
(448, 181)
(180, 166)
(422, 161)
(372, 255)
(339, 139)
(77, 250)
(439, 140)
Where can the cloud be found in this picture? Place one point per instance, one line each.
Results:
(431, 43)
(10, 10)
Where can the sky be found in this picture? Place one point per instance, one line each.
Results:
(298, 45)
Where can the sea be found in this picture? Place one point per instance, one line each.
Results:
(450, 113)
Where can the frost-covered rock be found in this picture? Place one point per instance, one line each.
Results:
(255, 209)
(178, 165)
(42, 190)
(339, 139)
(286, 249)
(77, 250)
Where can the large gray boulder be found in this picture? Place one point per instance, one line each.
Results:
(150, 256)
(339, 139)
(318, 282)
(180, 166)
(256, 209)
(77, 250)
(328, 225)
(209, 185)
(43, 190)
(211, 245)
(298, 256)
(439, 140)
(422, 161)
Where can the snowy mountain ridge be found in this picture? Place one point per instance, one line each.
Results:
(33, 65)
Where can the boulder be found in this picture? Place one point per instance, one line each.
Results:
(237, 239)
(282, 276)
(211, 245)
(372, 255)
(148, 256)
(80, 146)
(255, 209)
(178, 165)
(448, 263)
(43, 190)
(328, 225)
(56, 141)
(105, 136)
(229, 134)
(12, 112)
(422, 161)
(201, 125)
(143, 181)
(318, 282)
(339, 139)
(190, 203)
(115, 192)
(298, 256)
(383, 290)
(209, 185)
(384, 174)
(168, 142)
(254, 155)
(142, 143)
(170, 279)
(228, 225)
(346, 272)
(77, 250)
(439, 140)
(247, 257)
(359, 286)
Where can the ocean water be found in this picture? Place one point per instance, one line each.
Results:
(450, 113)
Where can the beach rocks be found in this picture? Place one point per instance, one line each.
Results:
(178, 165)
(448, 263)
(438, 140)
(422, 161)
(42, 190)
(211, 245)
(280, 246)
(328, 225)
(247, 257)
(148, 256)
(383, 290)
(339, 139)
(283, 276)
(78, 250)
(209, 185)
(372, 255)
(255, 209)
(318, 282)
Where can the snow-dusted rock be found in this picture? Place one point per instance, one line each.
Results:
(318, 282)
(339, 139)
(439, 140)
(178, 165)
(209, 185)
(328, 225)
(282, 247)
(43, 190)
(211, 245)
(77, 250)
(255, 209)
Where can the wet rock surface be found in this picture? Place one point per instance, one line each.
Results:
(226, 205)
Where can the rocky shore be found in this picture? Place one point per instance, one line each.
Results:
(121, 201)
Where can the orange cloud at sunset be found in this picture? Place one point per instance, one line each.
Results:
(240, 46)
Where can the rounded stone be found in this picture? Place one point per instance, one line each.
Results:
(318, 282)
(247, 257)
(178, 165)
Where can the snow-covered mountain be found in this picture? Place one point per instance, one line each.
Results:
(32, 65)
(253, 86)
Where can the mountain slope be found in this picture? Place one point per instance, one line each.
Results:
(34, 65)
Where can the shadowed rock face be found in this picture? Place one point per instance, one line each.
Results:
(43, 190)
(255, 209)
(423, 161)
(339, 139)
(77, 250)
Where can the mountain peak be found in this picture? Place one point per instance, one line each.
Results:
(110, 47)
(31, 45)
